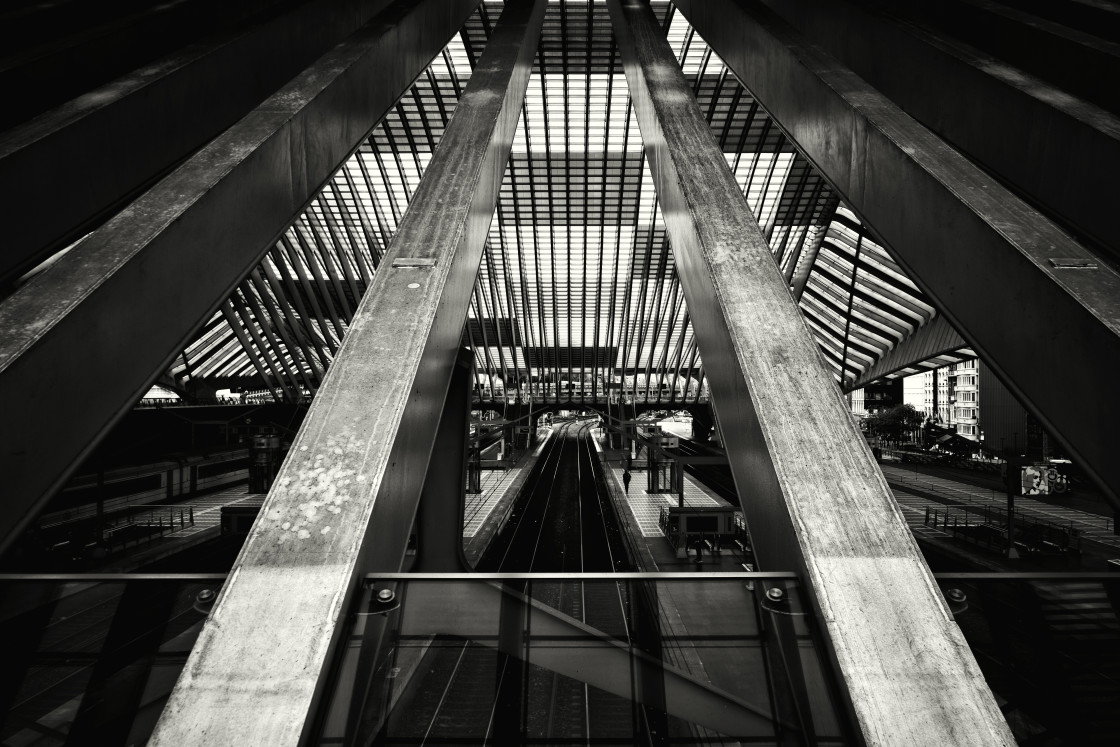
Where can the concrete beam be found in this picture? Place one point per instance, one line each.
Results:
(1007, 279)
(64, 171)
(812, 494)
(357, 467)
(1047, 48)
(105, 320)
(52, 52)
(439, 517)
(1003, 118)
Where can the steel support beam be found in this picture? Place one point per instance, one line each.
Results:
(1009, 280)
(67, 169)
(1060, 150)
(813, 496)
(357, 467)
(109, 317)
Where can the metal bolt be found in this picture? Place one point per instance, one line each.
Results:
(385, 595)
(955, 595)
(774, 594)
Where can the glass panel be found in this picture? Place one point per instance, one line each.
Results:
(699, 660)
(93, 663)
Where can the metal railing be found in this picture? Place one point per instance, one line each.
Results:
(973, 495)
(987, 526)
(904, 456)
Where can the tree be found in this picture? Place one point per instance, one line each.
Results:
(897, 423)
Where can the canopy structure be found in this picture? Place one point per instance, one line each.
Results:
(578, 279)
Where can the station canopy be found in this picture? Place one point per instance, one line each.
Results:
(578, 281)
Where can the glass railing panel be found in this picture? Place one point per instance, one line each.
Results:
(92, 659)
(628, 659)
(679, 658)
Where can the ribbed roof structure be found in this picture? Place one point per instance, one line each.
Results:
(578, 282)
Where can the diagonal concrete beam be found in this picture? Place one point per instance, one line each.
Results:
(68, 168)
(108, 318)
(357, 467)
(813, 496)
(1010, 281)
(1002, 117)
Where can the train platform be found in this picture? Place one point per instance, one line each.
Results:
(919, 495)
(1092, 528)
(207, 513)
(639, 512)
(208, 509)
(485, 512)
(646, 507)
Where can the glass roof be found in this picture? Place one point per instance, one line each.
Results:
(577, 281)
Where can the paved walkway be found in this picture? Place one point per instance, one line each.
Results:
(1093, 528)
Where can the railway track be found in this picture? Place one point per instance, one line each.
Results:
(563, 525)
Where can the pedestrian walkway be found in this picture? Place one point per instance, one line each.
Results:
(1092, 527)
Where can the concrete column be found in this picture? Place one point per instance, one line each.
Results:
(202, 391)
(818, 503)
(439, 518)
(702, 423)
(346, 497)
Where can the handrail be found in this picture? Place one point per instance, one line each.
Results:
(665, 575)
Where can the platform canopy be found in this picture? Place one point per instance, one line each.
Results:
(578, 281)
